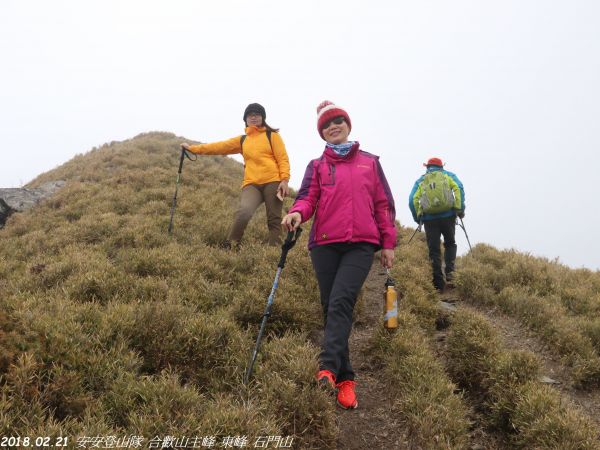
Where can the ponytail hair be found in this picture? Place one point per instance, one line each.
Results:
(270, 128)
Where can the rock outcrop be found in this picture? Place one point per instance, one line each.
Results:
(20, 199)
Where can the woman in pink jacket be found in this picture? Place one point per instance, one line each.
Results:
(354, 212)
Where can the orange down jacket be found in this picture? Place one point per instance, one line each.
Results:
(262, 164)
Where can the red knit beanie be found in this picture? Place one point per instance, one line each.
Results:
(327, 111)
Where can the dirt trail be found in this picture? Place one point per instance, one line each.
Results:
(370, 426)
(516, 336)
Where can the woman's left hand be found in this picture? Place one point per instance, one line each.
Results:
(283, 190)
(387, 257)
(291, 221)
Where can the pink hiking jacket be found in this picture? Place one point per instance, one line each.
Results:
(351, 197)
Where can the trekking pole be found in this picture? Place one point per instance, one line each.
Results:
(290, 240)
(462, 225)
(183, 154)
(415, 232)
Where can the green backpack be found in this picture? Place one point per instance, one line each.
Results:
(436, 195)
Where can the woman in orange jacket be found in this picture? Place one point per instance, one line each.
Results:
(266, 171)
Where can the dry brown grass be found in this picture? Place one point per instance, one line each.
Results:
(558, 303)
(531, 414)
(111, 326)
(421, 393)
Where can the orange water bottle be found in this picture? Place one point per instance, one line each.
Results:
(390, 304)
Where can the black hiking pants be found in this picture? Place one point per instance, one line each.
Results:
(341, 270)
(434, 229)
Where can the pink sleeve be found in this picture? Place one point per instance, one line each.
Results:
(308, 195)
(385, 210)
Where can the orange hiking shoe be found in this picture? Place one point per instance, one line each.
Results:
(346, 397)
(326, 380)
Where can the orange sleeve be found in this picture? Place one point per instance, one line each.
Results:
(228, 147)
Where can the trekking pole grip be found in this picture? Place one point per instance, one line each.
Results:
(289, 242)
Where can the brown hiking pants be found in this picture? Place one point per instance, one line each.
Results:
(252, 196)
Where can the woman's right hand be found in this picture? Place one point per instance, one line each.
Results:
(185, 146)
(291, 221)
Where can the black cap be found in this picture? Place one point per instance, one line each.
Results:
(255, 108)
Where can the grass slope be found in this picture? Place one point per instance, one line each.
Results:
(109, 326)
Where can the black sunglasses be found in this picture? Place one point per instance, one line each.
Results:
(337, 120)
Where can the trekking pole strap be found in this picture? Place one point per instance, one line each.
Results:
(185, 154)
(287, 245)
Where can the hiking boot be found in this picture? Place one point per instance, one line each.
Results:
(234, 246)
(346, 397)
(326, 381)
(225, 245)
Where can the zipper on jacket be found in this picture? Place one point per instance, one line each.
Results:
(331, 174)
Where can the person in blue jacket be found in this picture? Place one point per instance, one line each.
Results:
(435, 201)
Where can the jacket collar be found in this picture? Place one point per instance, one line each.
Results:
(254, 130)
(334, 157)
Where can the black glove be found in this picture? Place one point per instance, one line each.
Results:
(460, 213)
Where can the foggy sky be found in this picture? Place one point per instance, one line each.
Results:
(505, 92)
